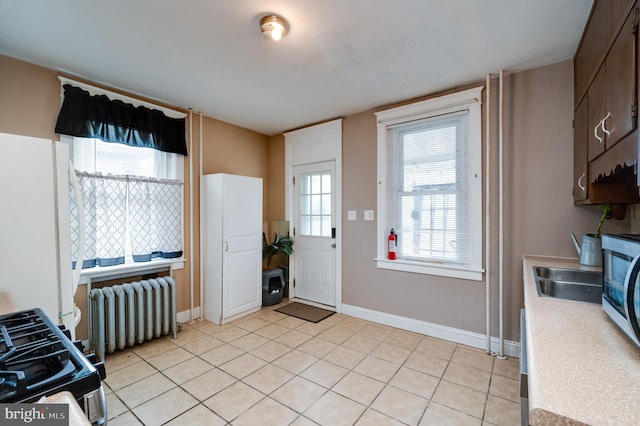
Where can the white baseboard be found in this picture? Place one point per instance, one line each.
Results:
(185, 318)
(456, 335)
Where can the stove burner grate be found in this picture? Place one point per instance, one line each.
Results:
(32, 356)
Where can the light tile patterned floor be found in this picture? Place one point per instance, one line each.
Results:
(271, 369)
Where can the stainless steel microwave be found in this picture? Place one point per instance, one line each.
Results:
(621, 284)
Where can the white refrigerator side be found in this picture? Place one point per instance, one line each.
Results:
(34, 271)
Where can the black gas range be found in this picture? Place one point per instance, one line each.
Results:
(38, 359)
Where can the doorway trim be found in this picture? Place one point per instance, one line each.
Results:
(315, 144)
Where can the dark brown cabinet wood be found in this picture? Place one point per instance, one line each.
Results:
(606, 93)
(597, 112)
(580, 162)
(620, 67)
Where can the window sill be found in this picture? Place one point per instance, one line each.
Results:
(130, 269)
(431, 269)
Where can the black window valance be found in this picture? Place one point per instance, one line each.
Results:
(88, 116)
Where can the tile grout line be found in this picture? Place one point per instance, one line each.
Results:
(349, 370)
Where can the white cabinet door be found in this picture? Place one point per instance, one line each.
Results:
(242, 255)
(232, 246)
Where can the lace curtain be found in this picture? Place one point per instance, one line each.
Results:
(146, 210)
(155, 218)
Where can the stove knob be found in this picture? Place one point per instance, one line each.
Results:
(101, 369)
(65, 331)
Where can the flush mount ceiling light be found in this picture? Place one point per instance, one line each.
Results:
(273, 27)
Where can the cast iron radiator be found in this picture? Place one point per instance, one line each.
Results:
(127, 314)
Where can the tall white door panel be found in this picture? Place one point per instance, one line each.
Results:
(242, 265)
(232, 246)
(315, 232)
(313, 203)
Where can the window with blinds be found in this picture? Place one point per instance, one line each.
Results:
(428, 187)
(430, 183)
(96, 156)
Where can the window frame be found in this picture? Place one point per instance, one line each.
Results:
(130, 265)
(469, 100)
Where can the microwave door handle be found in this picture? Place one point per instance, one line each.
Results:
(631, 278)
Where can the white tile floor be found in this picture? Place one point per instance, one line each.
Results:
(271, 369)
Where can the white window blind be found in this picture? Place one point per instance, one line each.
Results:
(427, 195)
(430, 186)
(96, 156)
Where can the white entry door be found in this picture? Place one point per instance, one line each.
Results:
(315, 232)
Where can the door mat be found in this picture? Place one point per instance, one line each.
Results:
(305, 312)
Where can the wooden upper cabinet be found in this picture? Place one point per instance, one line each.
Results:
(621, 116)
(612, 94)
(597, 112)
(580, 73)
(599, 33)
(603, 24)
(580, 163)
(606, 104)
(619, 9)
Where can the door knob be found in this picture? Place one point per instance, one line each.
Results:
(333, 245)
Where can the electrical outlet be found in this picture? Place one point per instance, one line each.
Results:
(368, 215)
(352, 215)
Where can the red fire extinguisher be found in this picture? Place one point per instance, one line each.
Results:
(392, 243)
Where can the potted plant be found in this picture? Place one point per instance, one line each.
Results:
(606, 213)
(280, 245)
(590, 251)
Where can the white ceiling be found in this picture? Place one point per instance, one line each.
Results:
(340, 57)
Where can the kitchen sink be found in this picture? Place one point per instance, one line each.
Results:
(569, 284)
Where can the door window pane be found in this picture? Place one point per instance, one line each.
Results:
(315, 204)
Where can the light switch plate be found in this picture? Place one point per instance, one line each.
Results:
(352, 215)
(368, 215)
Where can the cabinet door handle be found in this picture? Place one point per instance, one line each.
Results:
(604, 129)
(580, 180)
(226, 246)
(595, 132)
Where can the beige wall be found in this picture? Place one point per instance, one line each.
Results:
(29, 95)
(29, 105)
(539, 211)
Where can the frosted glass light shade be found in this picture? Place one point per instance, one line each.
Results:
(273, 27)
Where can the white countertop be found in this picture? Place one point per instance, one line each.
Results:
(6, 304)
(582, 368)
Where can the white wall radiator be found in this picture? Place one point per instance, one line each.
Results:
(128, 314)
